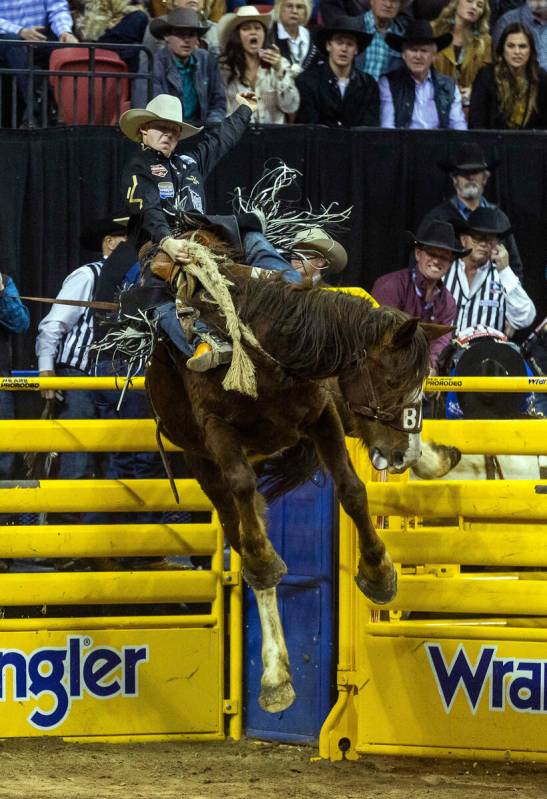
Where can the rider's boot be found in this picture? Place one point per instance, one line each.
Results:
(210, 353)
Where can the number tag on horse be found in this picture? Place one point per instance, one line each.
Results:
(411, 418)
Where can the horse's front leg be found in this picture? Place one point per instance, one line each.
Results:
(376, 577)
(261, 565)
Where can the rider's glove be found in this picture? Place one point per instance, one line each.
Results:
(175, 249)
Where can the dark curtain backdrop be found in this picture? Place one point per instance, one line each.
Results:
(54, 182)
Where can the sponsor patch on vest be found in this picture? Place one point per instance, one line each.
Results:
(193, 179)
(196, 200)
(158, 170)
(489, 304)
(166, 189)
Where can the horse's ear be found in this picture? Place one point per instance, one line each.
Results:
(405, 333)
(433, 331)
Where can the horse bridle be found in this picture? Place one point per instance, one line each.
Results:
(406, 418)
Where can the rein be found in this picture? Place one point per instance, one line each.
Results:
(406, 419)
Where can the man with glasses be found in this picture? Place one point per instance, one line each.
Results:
(419, 290)
(486, 289)
(470, 171)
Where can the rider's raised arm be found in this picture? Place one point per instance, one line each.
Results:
(221, 140)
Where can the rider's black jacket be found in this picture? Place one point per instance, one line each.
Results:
(155, 186)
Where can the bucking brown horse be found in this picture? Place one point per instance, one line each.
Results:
(320, 348)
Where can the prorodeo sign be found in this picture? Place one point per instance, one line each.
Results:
(68, 673)
(519, 684)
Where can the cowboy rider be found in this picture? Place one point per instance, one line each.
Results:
(158, 185)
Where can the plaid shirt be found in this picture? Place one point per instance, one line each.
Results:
(379, 58)
(14, 316)
(17, 14)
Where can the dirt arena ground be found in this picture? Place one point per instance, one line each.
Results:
(36, 769)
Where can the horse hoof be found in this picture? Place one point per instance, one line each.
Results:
(275, 698)
(268, 578)
(380, 593)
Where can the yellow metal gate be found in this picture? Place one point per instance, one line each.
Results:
(114, 654)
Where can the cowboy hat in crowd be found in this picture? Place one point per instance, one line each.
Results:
(318, 241)
(92, 237)
(485, 220)
(164, 107)
(351, 25)
(185, 18)
(468, 158)
(229, 22)
(418, 32)
(438, 234)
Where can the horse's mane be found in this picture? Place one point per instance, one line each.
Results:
(317, 333)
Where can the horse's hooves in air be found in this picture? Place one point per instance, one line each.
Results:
(380, 593)
(269, 577)
(274, 699)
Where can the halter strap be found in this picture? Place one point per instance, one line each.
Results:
(407, 419)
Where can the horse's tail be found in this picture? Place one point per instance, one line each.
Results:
(288, 470)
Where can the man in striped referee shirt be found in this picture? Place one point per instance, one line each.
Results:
(65, 334)
(486, 289)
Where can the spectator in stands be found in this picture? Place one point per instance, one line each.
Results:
(532, 15)
(208, 39)
(36, 21)
(419, 290)
(114, 22)
(486, 289)
(469, 171)
(185, 70)
(384, 17)
(14, 318)
(249, 63)
(511, 94)
(290, 33)
(335, 92)
(471, 46)
(65, 334)
(416, 95)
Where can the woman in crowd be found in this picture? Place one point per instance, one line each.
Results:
(248, 63)
(511, 93)
(114, 22)
(290, 32)
(471, 48)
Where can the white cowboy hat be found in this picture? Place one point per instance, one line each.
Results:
(318, 240)
(229, 22)
(164, 107)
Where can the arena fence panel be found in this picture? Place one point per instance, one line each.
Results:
(456, 664)
(107, 651)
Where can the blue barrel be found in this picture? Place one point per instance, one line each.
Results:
(302, 528)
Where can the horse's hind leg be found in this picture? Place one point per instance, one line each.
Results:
(262, 567)
(376, 576)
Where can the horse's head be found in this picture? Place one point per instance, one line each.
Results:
(383, 391)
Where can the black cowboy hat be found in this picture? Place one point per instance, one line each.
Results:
(485, 357)
(418, 32)
(178, 18)
(351, 25)
(437, 234)
(468, 157)
(92, 237)
(485, 220)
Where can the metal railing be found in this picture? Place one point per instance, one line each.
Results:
(93, 92)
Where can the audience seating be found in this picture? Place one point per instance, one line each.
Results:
(73, 94)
